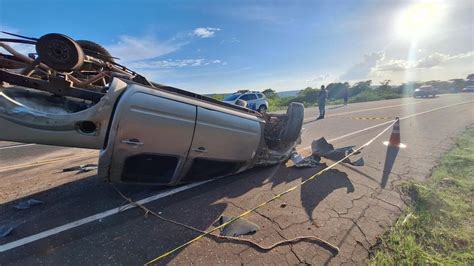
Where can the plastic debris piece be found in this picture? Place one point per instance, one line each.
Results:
(359, 162)
(238, 227)
(6, 229)
(311, 161)
(26, 204)
(81, 168)
(321, 148)
(300, 162)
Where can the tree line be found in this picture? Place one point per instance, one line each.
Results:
(361, 91)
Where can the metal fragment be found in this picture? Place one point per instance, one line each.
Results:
(238, 227)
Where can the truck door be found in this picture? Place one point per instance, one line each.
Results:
(222, 143)
(153, 138)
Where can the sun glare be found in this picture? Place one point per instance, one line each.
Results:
(419, 20)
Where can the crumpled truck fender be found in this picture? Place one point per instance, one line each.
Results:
(39, 123)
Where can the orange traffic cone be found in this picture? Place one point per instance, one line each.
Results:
(395, 137)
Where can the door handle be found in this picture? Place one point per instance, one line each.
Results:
(200, 149)
(134, 142)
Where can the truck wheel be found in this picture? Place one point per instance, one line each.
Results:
(295, 114)
(262, 109)
(95, 50)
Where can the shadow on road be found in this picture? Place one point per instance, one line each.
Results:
(199, 207)
(391, 155)
(314, 192)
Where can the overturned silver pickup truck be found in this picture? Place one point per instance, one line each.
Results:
(73, 93)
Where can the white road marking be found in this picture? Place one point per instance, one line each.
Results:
(388, 122)
(17, 146)
(95, 217)
(364, 110)
(117, 210)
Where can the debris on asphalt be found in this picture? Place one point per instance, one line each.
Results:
(238, 227)
(321, 148)
(81, 168)
(310, 161)
(359, 162)
(26, 204)
(6, 229)
(296, 158)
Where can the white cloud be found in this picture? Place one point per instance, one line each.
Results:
(130, 48)
(431, 61)
(318, 79)
(207, 32)
(438, 59)
(322, 77)
(391, 65)
(177, 63)
(362, 69)
(436, 66)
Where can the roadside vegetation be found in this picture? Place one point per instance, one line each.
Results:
(438, 227)
(363, 91)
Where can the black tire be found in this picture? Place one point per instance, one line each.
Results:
(95, 50)
(295, 114)
(262, 108)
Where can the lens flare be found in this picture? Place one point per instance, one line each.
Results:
(419, 20)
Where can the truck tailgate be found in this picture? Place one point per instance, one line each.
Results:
(32, 117)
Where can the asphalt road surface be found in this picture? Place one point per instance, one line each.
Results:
(348, 206)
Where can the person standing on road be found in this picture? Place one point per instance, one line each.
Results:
(322, 102)
(346, 96)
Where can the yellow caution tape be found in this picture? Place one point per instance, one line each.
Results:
(166, 254)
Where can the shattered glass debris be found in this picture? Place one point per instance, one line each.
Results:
(310, 161)
(322, 149)
(22, 205)
(81, 168)
(6, 229)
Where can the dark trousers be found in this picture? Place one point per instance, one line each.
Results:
(322, 109)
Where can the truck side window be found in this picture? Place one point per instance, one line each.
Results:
(260, 95)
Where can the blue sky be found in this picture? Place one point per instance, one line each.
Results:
(221, 46)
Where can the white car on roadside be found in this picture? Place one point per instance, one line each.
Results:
(254, 100)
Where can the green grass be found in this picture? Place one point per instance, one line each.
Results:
(437, 229)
